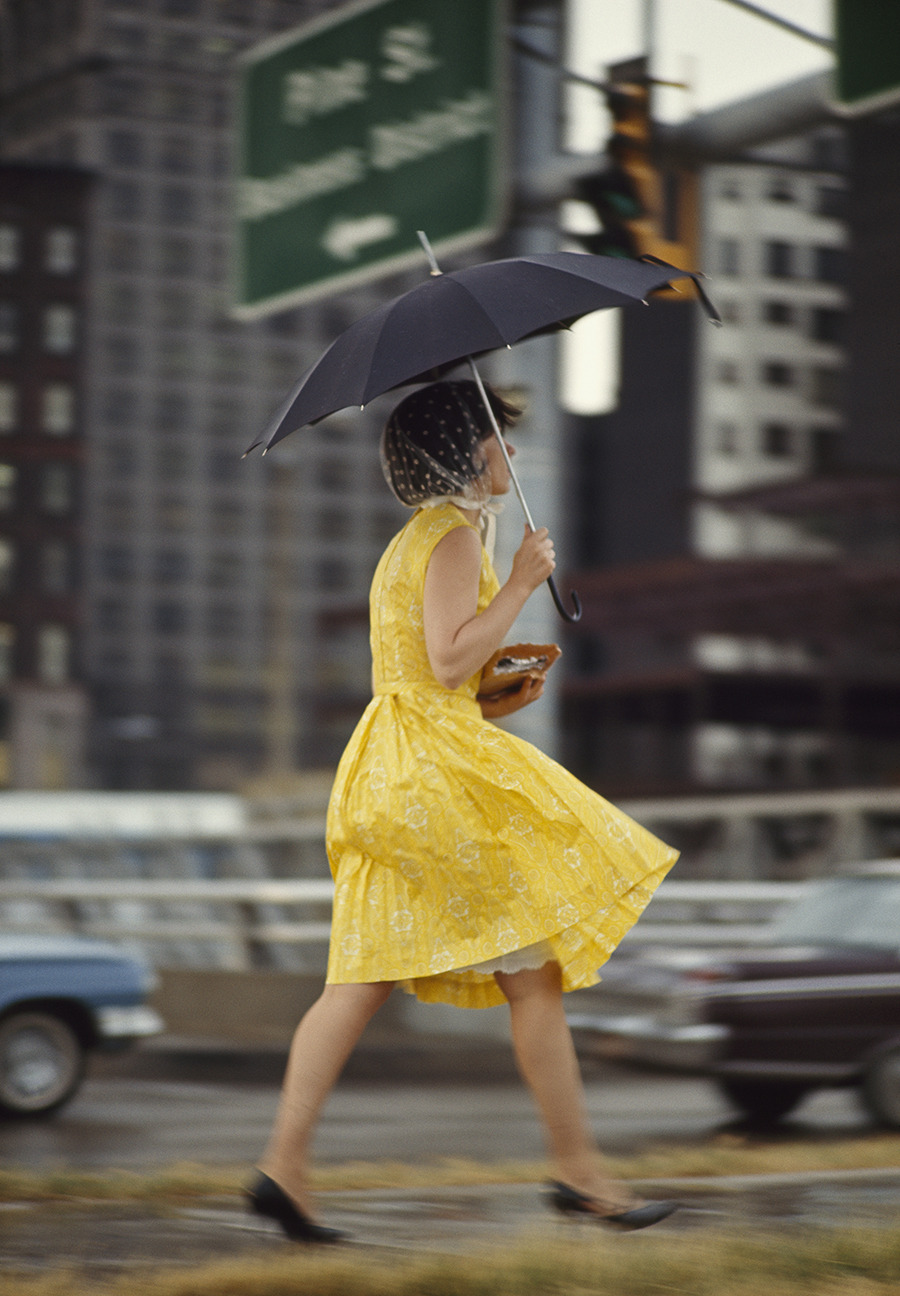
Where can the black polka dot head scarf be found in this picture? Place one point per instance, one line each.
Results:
(433, 445)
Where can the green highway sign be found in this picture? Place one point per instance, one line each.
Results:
(868, 54)
(379, 119)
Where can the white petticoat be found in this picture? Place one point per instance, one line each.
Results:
(520, 960)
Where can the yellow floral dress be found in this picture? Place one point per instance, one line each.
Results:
(452, 841)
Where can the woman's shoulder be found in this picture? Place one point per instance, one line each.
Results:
(437, 519)
(415, 544)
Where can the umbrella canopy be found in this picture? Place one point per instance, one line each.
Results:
(451, 317)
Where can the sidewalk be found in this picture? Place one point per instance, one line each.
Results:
(104, 1239)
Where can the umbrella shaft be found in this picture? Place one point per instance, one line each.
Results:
(499, 435)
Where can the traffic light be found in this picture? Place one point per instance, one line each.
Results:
(645, 206)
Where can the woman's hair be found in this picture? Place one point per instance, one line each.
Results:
(432, 445)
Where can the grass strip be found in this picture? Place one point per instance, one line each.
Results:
(726, 1155)
(796, 1262)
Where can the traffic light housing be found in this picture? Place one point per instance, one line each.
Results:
(645, 206)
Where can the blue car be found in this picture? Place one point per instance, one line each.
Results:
(60, 999)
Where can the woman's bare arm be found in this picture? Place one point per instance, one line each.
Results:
(458, 639)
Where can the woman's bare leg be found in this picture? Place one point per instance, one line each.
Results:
(546, 1058)
(321, 1045)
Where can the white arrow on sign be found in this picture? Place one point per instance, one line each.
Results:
(344, 237)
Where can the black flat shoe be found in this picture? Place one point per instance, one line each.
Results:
(266, 1198)
(568, 1201)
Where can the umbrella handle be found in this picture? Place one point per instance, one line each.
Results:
(566, 615)
(575, 614)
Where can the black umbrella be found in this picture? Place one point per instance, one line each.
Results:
(451, 318)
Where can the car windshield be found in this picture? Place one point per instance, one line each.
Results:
(844, 911)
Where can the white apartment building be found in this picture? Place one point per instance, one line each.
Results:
(769, 386)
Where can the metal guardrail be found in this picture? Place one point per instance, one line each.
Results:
(244, 922)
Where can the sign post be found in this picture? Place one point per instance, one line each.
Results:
(358, 129)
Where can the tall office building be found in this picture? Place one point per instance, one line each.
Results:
(222, 628)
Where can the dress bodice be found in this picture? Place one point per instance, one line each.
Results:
(399, 656)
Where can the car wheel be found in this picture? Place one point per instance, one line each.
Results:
(42, 1063)
(762, 1100)
(881, 1088)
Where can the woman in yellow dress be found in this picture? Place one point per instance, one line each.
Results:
(469, 868)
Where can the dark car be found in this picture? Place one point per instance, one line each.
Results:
(61, 998)
(815, 1005)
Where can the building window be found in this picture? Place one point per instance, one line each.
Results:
(779, 260)
(176, 256)
(9, 328)
(125, 306)
(180, 8)
(58, 409)
(61, 255)
(728, 371)
(776, 374)
(125, 148)
(776, 440)
(111, 616)
(224, 570)
(170, 414)
(223, 620)
(332, 575)
(60, 330)
(57, 493)
(777, 312)
(176, 308)
(824, 443)
(7, 652)
(123, 251)
(56, 567)
(9, 408)
(7, 565)
(169, 618)
(125, 200)
(175, 358)
(8, 476)
(170, 566)
(781, 189)
(177, 155)
(121, 94)
(122, 352)
(828, 325)
(10, 248)
(127, 40)
(177, 205)
(729, 256)
(830, 265)
(826, 387)
(120, 407)
(832, 202)
(334, 474)
(178, 103)
(116, 562)
(54, 650)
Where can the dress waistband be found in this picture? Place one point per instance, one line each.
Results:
(400, 688)
(392, 689)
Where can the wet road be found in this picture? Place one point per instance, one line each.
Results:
(142, 1123)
